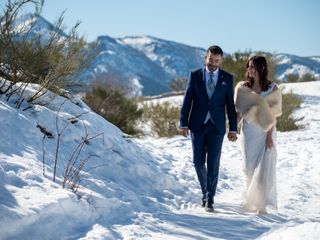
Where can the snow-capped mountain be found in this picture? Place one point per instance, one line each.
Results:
(177, 59)
(34, 25)
(146, 65)
(154, 62)
(292, 64)
(143, 61)
(116, 61)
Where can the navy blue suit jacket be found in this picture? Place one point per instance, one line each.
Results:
(196, 102)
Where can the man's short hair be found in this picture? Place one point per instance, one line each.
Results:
(215, 50)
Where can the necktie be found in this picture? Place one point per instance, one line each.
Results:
(210, 90)
(211, 84)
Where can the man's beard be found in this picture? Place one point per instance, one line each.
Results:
(211, 67)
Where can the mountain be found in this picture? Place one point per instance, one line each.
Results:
(174, 60)
(33, 25)
(120, 62)
(146, 65)
(292, 64)
(154, 62)
(177, 59)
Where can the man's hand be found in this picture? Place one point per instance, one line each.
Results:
(184, 132)
(232, 136)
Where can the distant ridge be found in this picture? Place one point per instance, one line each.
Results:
(145, 65)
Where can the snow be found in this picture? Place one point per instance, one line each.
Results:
(145, 188)
(135, 87)
(316, 59)
(175, 58)
(139, 41)
(306, 231)
(144, 44)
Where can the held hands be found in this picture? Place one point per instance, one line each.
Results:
(232, 136)
(184, 132)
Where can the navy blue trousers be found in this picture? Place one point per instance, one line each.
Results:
(206, 146)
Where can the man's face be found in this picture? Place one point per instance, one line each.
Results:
(213, 61)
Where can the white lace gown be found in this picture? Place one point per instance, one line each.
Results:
(259, 166)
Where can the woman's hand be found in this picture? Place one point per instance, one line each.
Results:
(239, 117)
(269, 142)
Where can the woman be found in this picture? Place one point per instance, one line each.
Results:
(258, 103)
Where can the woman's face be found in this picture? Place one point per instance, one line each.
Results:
(252, 72)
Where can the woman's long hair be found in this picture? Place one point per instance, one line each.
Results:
(261, 66)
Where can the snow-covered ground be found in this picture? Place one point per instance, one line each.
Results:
(144, 188)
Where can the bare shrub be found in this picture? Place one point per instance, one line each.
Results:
(286, 122)
(307, 77)
(112, 104)
(163, 118)
(74, 165)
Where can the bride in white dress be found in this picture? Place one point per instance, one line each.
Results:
(258, 103)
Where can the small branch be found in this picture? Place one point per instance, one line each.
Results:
(43, 157)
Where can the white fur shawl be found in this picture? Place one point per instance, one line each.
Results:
(261, 109)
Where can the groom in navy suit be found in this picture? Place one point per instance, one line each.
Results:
(208, 95)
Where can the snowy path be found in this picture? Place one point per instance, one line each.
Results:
(297, 178)
(187, 220)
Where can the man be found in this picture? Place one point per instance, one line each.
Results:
(208, 94)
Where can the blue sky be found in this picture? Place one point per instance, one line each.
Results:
(280, 26)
